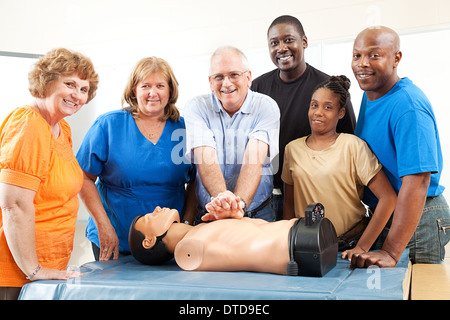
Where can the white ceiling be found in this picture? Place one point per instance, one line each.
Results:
(36, 26)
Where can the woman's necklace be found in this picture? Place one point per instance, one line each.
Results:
(155, 132)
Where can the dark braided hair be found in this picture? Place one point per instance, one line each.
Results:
(338, 85)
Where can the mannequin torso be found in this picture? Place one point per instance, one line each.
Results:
(236, 245)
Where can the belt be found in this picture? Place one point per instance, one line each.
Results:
(250, 213)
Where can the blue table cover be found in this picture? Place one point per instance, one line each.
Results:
(127, 279)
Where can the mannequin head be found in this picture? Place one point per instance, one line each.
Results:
(146, 234)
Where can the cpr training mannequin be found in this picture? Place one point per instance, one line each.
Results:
(233, 243)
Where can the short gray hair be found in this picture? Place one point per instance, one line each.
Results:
(229, 49)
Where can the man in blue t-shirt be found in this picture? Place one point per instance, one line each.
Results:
(397, 121)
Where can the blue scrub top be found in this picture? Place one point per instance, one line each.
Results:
(134, 175)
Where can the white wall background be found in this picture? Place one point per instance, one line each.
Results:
(116, 34)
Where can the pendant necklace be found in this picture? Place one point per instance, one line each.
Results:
(151, 135)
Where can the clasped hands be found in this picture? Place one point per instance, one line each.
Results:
(225, 205)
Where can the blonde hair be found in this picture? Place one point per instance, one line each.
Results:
(61, 62)
(142, 69)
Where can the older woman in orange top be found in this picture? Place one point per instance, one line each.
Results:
(39, 174)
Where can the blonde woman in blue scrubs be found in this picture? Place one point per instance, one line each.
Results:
(133, 160)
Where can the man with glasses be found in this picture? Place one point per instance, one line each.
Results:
(232, 137)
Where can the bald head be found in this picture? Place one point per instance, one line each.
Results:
(376, 55)
(383, 35)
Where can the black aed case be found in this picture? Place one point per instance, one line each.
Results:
(313, 244)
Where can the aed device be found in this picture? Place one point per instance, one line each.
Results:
(313, 244)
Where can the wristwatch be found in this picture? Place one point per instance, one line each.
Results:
(244, 208)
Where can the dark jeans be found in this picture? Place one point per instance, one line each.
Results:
(427, 245)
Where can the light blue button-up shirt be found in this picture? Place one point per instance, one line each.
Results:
(208, 124)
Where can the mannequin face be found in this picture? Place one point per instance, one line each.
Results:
(155, 224)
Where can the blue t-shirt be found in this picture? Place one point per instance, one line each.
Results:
(401, 129)
(134, 175)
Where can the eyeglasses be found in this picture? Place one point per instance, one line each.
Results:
(234, 76)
